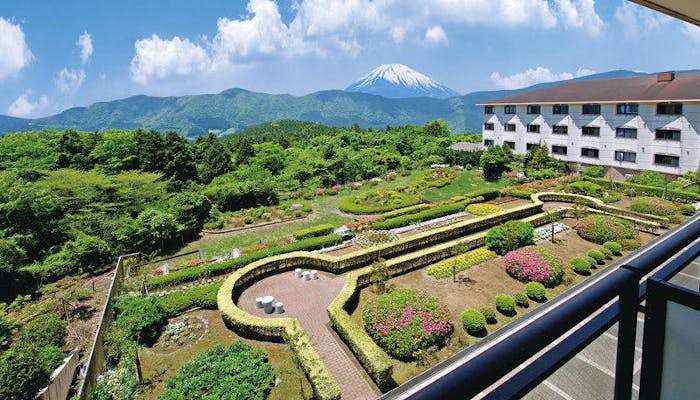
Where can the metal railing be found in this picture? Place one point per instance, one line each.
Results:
(556, 332)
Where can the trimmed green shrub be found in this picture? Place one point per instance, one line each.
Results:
(405, 211)
(597, 255)
(523, 194)
(141, 316)
(614, 247)
(377, 201)
(238, 372)
(474, 323)
(408, 219)
(606, 252)
(505, 305)
(592, 261)
(687, 209)
(600, 229)
(585, 188)
(489, 314)
(201, 296)
(509, 236)
(314, 231)
(404, 321)
(675, 195)
(653, 206)
(481, 209)
(487, 194)
(581, 265)
(521, 300)
(536, 292)
(220, 268)
(595, 171)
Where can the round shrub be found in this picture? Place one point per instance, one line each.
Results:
(653, 205)
(474, 323)
(521, 300)
(581, 265)
(481, 209)
(614, 247)
(509, 236)
(585, 188)
(687, 209)
(536, 292)
(505, 305)
(404, 321)
(606, 252)
(597, 255)
(489, 314)
(534, 264)
(592, 261)
(600, 229)
(141, 316)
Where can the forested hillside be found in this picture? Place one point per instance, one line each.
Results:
(71, 201)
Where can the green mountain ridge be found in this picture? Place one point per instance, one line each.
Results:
(235, 109)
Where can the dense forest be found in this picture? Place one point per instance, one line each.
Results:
(71, 201)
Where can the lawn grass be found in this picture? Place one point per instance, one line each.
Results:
(466, 181)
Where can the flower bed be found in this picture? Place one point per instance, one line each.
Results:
(374, 238)
(600, 229)
(431, 213)
(481, 209)
(435, 178)
(443, 269)
(654, 206)
(531, 264)
(377, 201)
(404, 321)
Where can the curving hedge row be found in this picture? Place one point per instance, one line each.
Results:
(675, 195)
(204, 296)
(408, 219)
(487, 194)
(226, 266)
(405, 210)
(314, 231)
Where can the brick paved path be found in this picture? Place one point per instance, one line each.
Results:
(307, 301)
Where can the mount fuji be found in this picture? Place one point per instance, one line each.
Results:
(400, 81)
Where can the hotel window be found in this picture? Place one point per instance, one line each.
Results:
(626, 133)
(530, 146)
(668, 134)
(628, 156)
(510, 144)
(488, 109)
(561, 150)
(560, 109)
(533, 128)
(669, 161)
(590, 131)
(509, 127)
(593, 153)
(593, 109)
(510, 109)
(488, 126)
(532, 109)
(669, 109)
(560, 129)
(488, 142)
(628, 108)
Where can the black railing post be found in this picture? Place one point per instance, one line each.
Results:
(626, 336)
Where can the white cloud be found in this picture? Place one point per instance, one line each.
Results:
(580, 14)
(692, 31)
(24, 107)
(70, 80)
(13, 48)
(534, 76)
(159, 58)
(436, 36)
(85, 44)
(638, 21)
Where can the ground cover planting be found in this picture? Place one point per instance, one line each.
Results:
(600, 229)
(378, 201)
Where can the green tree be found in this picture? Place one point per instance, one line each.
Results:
(116, 152)
(216, 159)
(179, 161)
(494, 161)
(538, 158)
(25, 369)
(150, 150)
(141, 316)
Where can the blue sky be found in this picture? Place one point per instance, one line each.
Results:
(59, 54)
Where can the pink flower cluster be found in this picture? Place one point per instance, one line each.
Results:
(527, 265)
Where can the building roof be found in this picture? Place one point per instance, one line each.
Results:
(683, 87)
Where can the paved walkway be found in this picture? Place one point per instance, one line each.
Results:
(307, 301)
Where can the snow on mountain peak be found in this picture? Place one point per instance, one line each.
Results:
(398, 80)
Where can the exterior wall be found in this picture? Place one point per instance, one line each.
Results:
(645, 145)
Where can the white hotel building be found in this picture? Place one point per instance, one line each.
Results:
(643, 123)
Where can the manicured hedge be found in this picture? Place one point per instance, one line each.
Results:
(615, 247)
(487, 194)
(474, 323)
(536, 291)
(581, 265)
(597, 255)
(505, 305)
(509, 236)
(435, 212)
(607, 252)
(226, 266)
(489, 314)
(201, 296)
(314, 231)
(405, 211)
(675, 195)
(523, 194)
(521, 300)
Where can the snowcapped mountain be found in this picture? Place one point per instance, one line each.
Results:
(398, 81)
